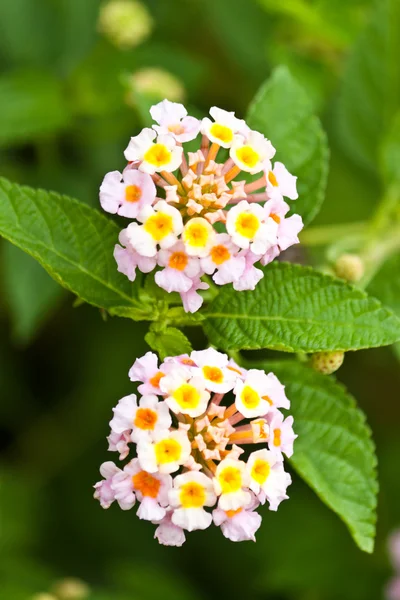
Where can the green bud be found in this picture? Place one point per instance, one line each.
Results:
(71, 589)
(125, 23)
(43, 596)
(349, 267)
(155, 84)
(327, 362)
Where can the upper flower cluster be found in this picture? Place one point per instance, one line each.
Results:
(195, 215)
(188, 454)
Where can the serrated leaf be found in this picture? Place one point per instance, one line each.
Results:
(168, 342)
(32, 105)
(73, 242)
(298, 309)
(370, 93)
(334, 452)
(31, 294)
(282, 111)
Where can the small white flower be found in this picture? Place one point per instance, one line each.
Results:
(191, 492)
(224, 259)
(267, 475)
(154, 156)
(252, 153)
(161, 226)
(144, 420)
(126, 194)
(213, 367)
(172, 119)
(250, 228)
(166, 453)
(280, 182)
(224, 128)
(230, 478)
(252, 394)
(198, 236)
(185, 394)
(179, 271)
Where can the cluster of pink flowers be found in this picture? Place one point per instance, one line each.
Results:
(195, 216)
(188, 446)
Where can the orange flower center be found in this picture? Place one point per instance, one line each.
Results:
(272, 179)
(275, 218)
(178, 260)
(146, 484)
(213, 374)
(133, 193)
(277, 437)
(155, 380)
(145, 418)
(220, 254)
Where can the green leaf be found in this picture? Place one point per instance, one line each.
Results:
(168, 342)
(32, 295)
(73, 242)
(386, 284)
(334, 452)
(298, 309)
(370, 93)
(282, 111)
(32, 105)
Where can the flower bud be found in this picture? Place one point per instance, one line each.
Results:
(327, 362)
(71, 589)
(43, 596)
(349, 267)
(155, 84)
(125, 23)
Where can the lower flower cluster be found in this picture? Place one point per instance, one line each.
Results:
(188, 442)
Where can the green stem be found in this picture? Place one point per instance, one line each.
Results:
(326, 234)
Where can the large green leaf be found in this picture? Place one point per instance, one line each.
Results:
(31, 294)
(282, 111)
(72, 241)
(370, 93)
(298, 309)
(32, 104)
(334, 452)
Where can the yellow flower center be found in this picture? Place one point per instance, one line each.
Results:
(196, 234)
(230, 480)
(158, 155)
(221, 132)
(247, 225)
(178, 260)
(248, 156)
(133, 193)
(155, 380)
(272, 179)
(145, 418)
(167, 451)
(277, 437)
(260, 471)
(192, 495)
(220, 254)
(250, 398)
(187, 396)
(147, 484)
(159, 226)
(213, 374)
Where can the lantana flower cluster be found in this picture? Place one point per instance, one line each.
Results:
(216, 211)
(186, 445)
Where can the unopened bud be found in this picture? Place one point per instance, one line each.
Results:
(349, 267)
(327, 362)
(156, 84)
(71, 589)
(125, 23)
(43, 596)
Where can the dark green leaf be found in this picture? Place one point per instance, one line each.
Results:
(298, 309)
(334, 452)
(73, 242)
(168, 342)
(282, 111)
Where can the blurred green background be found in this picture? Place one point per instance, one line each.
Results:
(76, 81)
